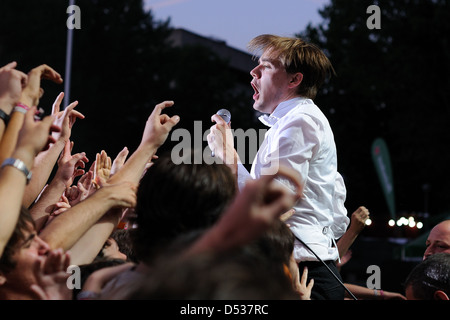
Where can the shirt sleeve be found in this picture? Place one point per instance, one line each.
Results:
(341, 221)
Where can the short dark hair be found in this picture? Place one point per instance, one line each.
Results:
(430, 275)
(24, 223)
(173, 199)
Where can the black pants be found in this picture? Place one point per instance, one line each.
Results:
(326, 287)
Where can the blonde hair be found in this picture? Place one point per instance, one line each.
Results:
(296, 55)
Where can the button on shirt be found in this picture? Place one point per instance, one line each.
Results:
(301, 138)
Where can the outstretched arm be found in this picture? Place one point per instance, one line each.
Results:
(30, 96)
(32, 138)
(358, 222)
(45, 161)
(67, 228)
(68, 168)
(11, 83)
(155, 134)
(90, 243)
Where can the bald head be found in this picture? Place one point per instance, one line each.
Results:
(438, 240)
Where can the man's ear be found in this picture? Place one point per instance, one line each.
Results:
(296, 79)
(440, 295)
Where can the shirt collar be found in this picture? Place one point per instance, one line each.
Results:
(281, 110)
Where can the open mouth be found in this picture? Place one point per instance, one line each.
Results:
(256, 94)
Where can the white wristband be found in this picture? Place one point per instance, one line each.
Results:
(19, 109)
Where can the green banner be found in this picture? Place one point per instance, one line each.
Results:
(382, 162)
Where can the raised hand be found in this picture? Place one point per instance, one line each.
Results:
(159, 125)
(70, 166)
(102, 169)
(119, 160)
(221, 142)
(11, 83)
(65, 119)
(33, 91)
(37, 134)
(51, 275)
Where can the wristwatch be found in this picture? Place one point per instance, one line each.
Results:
(18, 164)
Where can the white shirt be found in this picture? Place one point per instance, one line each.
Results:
(301, 138)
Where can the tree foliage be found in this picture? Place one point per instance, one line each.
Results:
(391, 83)
(123, 65)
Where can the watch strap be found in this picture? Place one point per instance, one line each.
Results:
(18, 164)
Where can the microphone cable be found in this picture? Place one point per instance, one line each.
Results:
(331, 271)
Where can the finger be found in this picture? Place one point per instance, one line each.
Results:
(9, 66)
(56, 105)
(78, 172)
(159, 107)
(30, 113)
(39, 292)
(76, 114)
(64, 198)
(304, 277)
(123, 153)
(49, 73)
(218, 119)
(170, 122)
(59, 211)
(62, 204)
(70, 108)
(51, 260)
(310, 284)
(37, 267)
(66, 260)
(285, 216)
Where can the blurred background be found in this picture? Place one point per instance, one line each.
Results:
(392, 86)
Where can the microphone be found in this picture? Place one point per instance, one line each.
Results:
(226, 116)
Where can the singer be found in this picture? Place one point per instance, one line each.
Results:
(286, 80)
